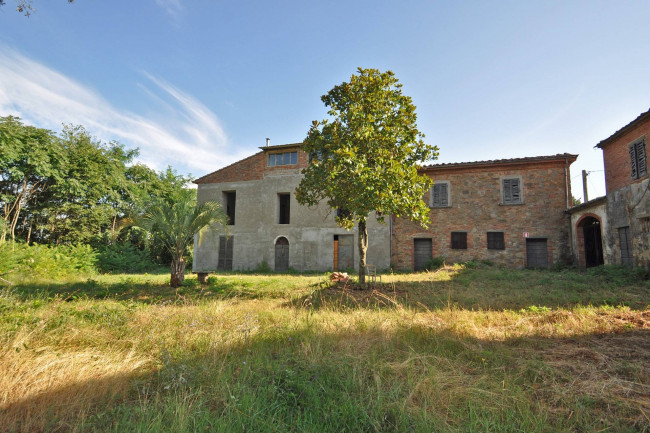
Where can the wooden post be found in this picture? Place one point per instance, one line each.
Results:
(336, 255)
(584, 185)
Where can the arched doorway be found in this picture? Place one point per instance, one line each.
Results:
(591, 253)
(281, 254)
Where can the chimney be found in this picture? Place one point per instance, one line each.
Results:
(268, 140)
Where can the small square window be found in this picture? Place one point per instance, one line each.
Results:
(458, 240)
(495, 241)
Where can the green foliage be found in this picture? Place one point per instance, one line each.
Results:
(620, 274)
(174, 221)
(435, 263)
(47, 261)
(123, 257)
(366, 158)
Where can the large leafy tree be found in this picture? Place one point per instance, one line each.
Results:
(175, 220)
(365, 158)
(32, 161)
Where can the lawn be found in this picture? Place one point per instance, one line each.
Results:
(465, 348)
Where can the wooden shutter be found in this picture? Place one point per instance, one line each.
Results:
(495, 241)
(634, 173)
(440, 195)
(225, 253)
(641, 159)
(458, 240)
(511, 191)
(626, 246)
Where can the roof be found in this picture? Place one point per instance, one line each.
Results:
(280, 146)
(640, 119)
(586, 205)
(510, 161)
(202, 179)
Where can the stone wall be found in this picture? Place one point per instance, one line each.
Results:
(629, 207)
(476, 207)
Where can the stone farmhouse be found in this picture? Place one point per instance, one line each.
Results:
(509, 211)
(615, 228)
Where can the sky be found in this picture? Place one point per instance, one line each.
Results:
(199, 84)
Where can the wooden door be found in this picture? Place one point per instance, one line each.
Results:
(345, 252)
(422, 253)
(536, 253)
(281, 255)
(225, 253)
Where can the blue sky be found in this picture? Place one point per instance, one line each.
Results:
(198, 84)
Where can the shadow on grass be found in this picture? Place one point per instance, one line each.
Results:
(485, 288)
(409, 379)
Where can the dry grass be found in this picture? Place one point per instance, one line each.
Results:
(257, 353)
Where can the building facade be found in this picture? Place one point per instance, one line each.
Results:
(627, 208)
(269, 229)
(510, 212)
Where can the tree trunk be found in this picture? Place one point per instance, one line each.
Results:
(363, 247)
(178, 272)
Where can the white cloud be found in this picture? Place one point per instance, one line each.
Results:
(182, 132)
(172, 7)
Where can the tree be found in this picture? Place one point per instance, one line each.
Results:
(25, 6)
(365, 159)
(31, 162)
(175, 220)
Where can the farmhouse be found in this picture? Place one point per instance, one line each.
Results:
(617, 226)
(509, 211)
(269, 228)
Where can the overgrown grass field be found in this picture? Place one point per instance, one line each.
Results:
(460, 349)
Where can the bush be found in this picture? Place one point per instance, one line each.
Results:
(123, 257)
(435, 263)
(47, 261)
(620, 274)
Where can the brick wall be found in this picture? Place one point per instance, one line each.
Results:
(254, 167)
(616, 156)
(476, 208)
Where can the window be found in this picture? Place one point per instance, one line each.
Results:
(342, 213)
(626, 245)
(458, 240)
(285, 158)
(638, 161)
(511, 189)
(284, 201)
(495, 241)
(440, 194)
(229, 199)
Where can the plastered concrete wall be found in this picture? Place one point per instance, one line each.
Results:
(476, 208)
(598, 210)
(629, 207)
(310, 232)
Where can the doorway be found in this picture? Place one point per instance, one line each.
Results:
(281, 254)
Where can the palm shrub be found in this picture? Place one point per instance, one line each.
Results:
(175, 220)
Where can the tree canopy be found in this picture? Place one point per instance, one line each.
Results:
(365, 158)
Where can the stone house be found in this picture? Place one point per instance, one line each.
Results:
(507, 211)
(626, 217)
(268, 228)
